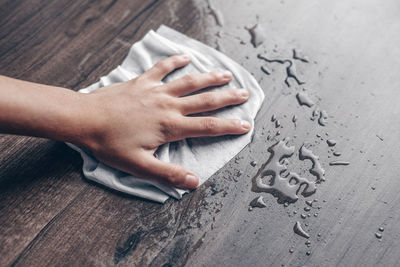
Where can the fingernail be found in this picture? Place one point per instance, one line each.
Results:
(226, 74)
(191, 181)
(243, 93)
(185, 57)
(245, 125)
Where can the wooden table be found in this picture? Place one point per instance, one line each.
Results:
(50, 215)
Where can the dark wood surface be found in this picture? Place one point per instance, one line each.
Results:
(50, 215)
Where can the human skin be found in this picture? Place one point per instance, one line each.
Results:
(123, 124)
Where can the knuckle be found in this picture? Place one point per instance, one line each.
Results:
(166, 121)
(190, 81)
(137, 79)
(234, 123)
(208, 100)
(210, 125)
(235, 94)
(175, 59)
(230, 126)
(166, 102)
(163, 65)
(171, 179)
(142, 79)
(215, 76)
(170, 127)
(173, 176)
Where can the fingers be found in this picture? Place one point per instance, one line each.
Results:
(211, 126)
(163, 67)
(168, 173)
(212, 100)
(192, 83)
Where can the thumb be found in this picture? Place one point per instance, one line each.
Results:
(168, 173)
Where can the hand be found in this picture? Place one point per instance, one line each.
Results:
(129, 121)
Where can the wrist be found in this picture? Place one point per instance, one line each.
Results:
(85, 121)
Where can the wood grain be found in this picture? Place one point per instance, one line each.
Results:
(50, 215)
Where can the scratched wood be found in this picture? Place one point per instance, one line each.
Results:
(50, 215)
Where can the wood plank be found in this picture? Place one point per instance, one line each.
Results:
(38, 180)
(50, 216)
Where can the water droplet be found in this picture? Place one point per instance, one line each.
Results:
(308, 253)
(291, 250)
(258, 202)
(303, 216)
(378, 235)
(216, 14)
(381, 229)
(298, 230)
(323, 116)
(315, 114)
(253, 163)
(336, 163)
(273, 118)
(309, 203)
(331, 142)
(298, 57)
(291, 73)
(280, 185)
(304, 99)
(294, 119)
(257, 35)
(265, 70)
(316, 168)
(315, 214)
(337, 154)
(290, 68)
(277, 123)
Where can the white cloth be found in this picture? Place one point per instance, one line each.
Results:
(202, 156)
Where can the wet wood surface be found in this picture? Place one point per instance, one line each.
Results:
(50, 215)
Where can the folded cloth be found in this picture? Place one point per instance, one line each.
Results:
(202, 156)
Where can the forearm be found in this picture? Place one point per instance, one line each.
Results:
(39, 110)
